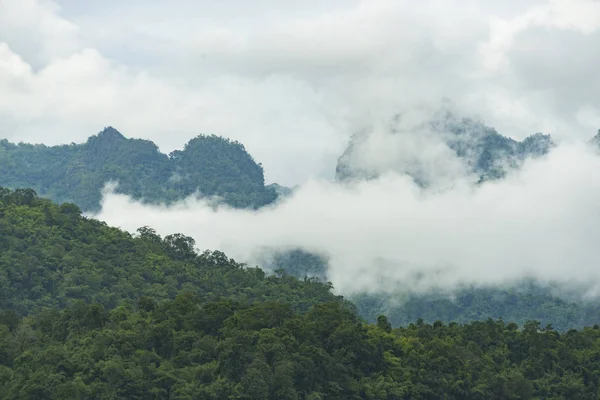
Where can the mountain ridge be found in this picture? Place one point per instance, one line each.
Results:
(208, 164)
(479, 149)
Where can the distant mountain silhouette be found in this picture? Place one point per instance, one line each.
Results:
(485, 153)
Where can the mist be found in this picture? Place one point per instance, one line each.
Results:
(389, 234)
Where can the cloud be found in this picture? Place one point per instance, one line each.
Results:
(388, 234)
(291, 82)
(581, 16)
(36, 31)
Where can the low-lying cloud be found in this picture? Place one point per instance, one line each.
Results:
(387, 234)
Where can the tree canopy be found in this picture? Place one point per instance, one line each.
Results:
(51, 256)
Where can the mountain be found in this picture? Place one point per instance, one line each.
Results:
(208, 165)
(91, 312)
(480, 149)
(216, 166)
(280, 191)
(596, 139)
(405, 147)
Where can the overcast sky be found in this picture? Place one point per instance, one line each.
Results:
(292, 80)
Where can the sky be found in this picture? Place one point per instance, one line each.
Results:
(293, 81)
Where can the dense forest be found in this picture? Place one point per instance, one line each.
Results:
(51, 256)
(91, 312)
(208, 165)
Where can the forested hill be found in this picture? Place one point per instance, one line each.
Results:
(208, 165)
(486, 153)
(51, 256)
(92, 312)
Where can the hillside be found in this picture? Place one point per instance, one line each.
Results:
(484, 153)
(208, 165)
(52, 256)
(91, 312)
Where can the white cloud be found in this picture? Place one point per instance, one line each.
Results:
(35, 30)
(582, 16)
(383, 234)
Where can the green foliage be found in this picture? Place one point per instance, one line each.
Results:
(208, 165)
(187, 348)
(51, 256)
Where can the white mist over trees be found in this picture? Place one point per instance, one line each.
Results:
(388, 233)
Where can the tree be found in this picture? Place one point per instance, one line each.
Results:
(384, 324)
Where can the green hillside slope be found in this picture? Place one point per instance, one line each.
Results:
(51, 256)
